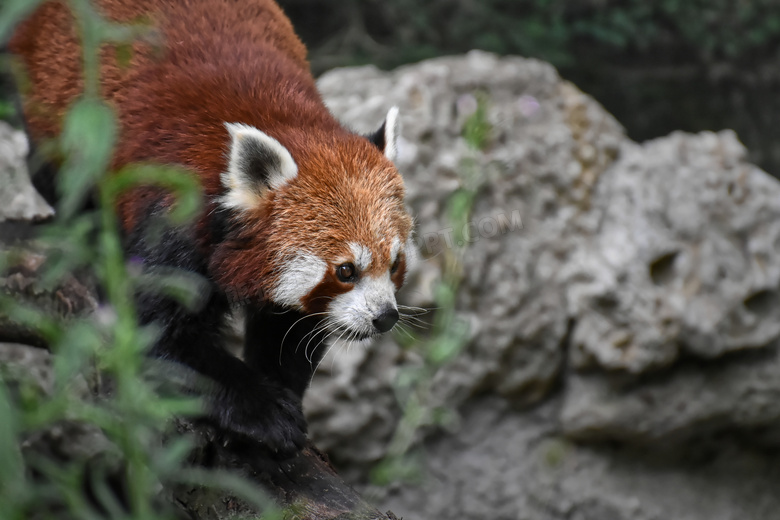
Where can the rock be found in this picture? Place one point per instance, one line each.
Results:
(350, 401)
(547, 139)
(508, 465)
(30, 371)
(22, 364)
(632, 295)
(692, 401)
(686, 258)
(23, 282)
(18, 198)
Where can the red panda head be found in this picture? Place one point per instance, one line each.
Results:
(324, 227)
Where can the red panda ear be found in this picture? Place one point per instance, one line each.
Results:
(386, 138)
(258, 163)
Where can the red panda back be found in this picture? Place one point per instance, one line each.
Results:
(206, 62)
(48, 45)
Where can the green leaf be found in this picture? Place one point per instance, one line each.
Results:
(124, 55)
(12, 469)
(406, 468)
(13, 12)
(185, 187)
(88, 138)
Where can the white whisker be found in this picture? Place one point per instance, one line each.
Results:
(323, 325)
(403, 330)
(421, 310)
(308, 356)
(314, 370)
(413, 321)
(281, 345)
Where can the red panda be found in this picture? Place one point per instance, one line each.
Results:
(304, 222)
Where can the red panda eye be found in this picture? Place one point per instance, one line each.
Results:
(396, 264)
(346, 272)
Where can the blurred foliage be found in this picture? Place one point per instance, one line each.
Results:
(109, 346)
(6, 110)
(400, 31)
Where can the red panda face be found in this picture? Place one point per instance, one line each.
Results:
(335, 235)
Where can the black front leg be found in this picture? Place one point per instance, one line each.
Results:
(284, 345)
(240, 399)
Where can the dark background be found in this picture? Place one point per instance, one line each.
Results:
(658, 65)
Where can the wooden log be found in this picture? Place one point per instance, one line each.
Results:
(307, 485)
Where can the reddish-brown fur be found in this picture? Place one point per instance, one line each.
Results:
(210, 62)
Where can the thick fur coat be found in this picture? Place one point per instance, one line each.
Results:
(304, 222)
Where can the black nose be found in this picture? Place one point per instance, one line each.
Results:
(386, 319)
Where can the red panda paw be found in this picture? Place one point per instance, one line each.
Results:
(271, 416)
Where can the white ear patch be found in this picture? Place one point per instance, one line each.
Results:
(392, 133)
(297, 278)
(258, 163)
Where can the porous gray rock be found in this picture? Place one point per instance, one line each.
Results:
(685, 259)
(505, 464)
(694, 400)
(18, 198)
(637, 302)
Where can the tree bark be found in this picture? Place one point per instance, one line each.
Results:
(306, 485)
